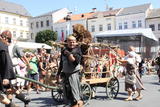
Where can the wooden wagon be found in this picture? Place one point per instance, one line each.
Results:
(98, 70)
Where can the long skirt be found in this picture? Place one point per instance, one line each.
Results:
(71, 86)
(139, 84)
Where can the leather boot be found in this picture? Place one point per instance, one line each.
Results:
(23, 98)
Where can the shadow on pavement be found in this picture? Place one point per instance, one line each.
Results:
(154, 83)
(46, 102)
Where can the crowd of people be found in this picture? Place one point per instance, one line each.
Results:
(38, 66)
(43, 67)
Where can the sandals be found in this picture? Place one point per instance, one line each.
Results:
(80, 103)
(138, 98)
(128, 99)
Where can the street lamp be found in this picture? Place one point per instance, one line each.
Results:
(68, 18)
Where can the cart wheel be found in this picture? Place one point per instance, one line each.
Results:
(112, 88)
(57, 95)
(86, 92)
(94, 89)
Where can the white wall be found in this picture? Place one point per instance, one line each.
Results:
(54, 17)
(154, 21)
(129, 19)
(104, 21)
(34, 30)
(59, 15)
(63, 26)
(15, 26)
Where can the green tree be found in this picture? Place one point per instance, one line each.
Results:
(46, 36)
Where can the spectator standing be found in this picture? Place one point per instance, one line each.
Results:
(32, 70)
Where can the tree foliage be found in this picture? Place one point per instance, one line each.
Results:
(46, 36)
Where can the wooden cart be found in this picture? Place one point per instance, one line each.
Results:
(100, 74)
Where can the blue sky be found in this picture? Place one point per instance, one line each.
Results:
(38, 7)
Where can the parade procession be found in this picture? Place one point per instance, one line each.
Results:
(72, 63)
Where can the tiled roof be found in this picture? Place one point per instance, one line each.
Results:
(10, 7)
(153, 13)
(78, 17)
(134, 9)
(106, 13)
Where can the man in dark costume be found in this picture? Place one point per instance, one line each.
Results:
(157, 61)
(6, 71)
(69, 69)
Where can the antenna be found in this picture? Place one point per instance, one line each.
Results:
(75, 9)
(106, 6)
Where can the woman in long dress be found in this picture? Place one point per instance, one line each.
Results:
(130, 62)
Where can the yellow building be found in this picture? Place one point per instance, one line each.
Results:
(14, 17)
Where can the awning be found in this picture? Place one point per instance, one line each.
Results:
(128, 32)
(32, 45)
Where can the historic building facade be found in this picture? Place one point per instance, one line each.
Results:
(15, 18)
(46, 21)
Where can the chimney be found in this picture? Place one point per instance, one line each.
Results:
(94, 10)
(82, 15)
(111, 8)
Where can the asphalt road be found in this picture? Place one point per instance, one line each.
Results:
(151, 97)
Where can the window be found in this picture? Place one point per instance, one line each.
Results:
(21, 22)
(92, 28)
(125, 25)
(32, 36)
(14, 21)
(37, 24)
(133, 24)
(27, 34)
(139, 23)
(41, 23)
(108, 26)
(152, 27)
(6, 20)
(47, 23)
(158, 26)
(100, 27)
(31, 25)
(120, 26)
(108, 19)
(14, 33)
(21, 34)
(27, 23)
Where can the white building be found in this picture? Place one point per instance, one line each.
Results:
(153, 21)
(64, 27)
(45, 21)
(132, 17)
(14, 17)
(102, 21)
